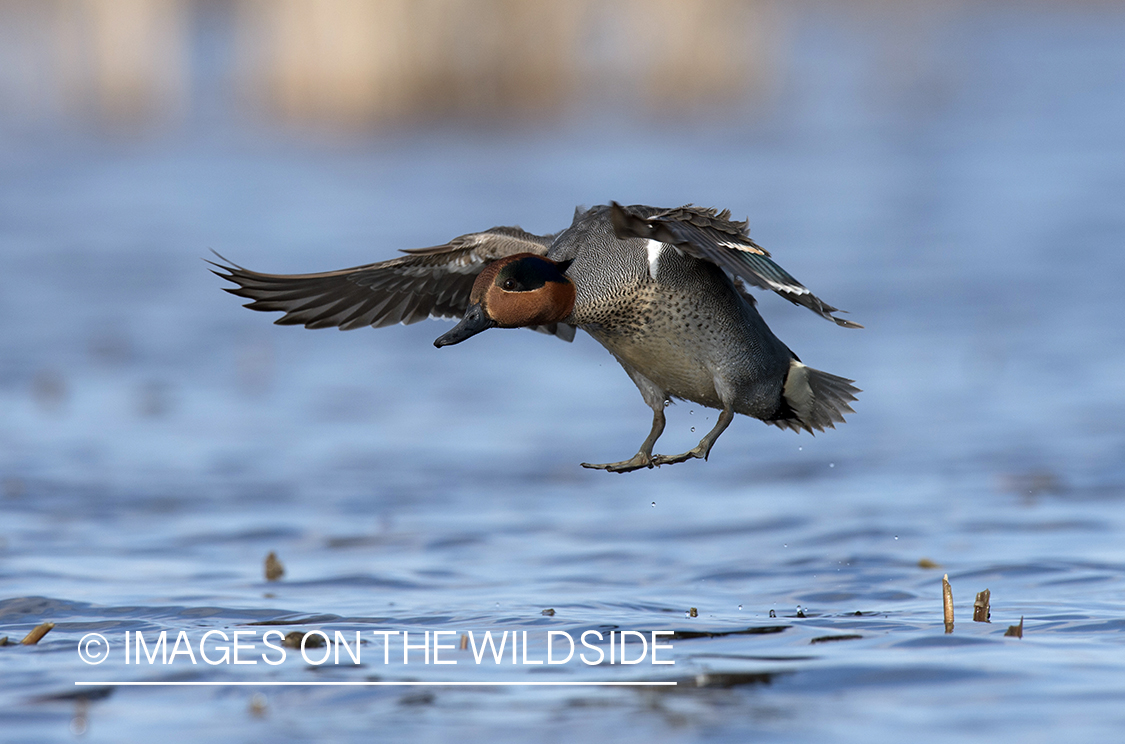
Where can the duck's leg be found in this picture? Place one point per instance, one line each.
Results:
(702, 449)
(643, 458)
(656, 399)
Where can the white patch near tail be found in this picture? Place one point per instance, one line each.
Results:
(798, 392)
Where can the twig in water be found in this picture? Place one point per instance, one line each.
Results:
(274, 569)
(37, 634)
(947, 603)
(981, 611)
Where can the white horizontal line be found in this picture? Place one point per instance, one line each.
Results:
(378, 684)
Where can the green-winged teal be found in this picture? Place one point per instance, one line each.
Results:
(661, 289)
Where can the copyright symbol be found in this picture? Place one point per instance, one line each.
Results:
(93, 648)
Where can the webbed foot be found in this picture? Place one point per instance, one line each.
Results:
(636, 462)
(691, 454)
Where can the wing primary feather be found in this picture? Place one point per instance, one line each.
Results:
(425, 282)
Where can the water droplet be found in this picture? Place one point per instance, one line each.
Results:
(800, 449)
(773, 614)
(691, 413)
(896, 537)
(653, 504)
(740, 607)
(667, 403)
(831, 464)
(786, 545)
(693, 429)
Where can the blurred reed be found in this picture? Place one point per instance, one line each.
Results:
(364, 63)
(121, 61)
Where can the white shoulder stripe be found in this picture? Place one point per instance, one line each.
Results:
(655, 249)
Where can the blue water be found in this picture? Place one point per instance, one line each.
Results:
(959, 190)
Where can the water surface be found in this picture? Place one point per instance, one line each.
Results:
(158, 441)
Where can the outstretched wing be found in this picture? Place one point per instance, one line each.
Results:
(713, 236)
(425, 283)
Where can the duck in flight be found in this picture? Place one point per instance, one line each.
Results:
(661, 289)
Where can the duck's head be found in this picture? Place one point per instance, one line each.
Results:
(515, 292)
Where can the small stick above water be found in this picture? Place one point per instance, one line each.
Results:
(274, 569)
(37, 634)
(947, 603)
(981, 611)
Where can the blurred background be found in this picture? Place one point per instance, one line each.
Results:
(951, 173)
(359, 66)
(936, 168)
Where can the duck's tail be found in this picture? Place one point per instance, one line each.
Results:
(813, 400)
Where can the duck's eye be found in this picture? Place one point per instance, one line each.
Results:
(510, 285)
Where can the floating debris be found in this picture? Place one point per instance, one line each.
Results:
(1015, 631)
(293, 639)
(981, 611)
(37, 634)
(692, 612)
(927, 563)
(548, 612)
(258, 705)
(947, 603)
(828, 639)
(274, 569)
(4, 641)
(313, 640)
(464, 641)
